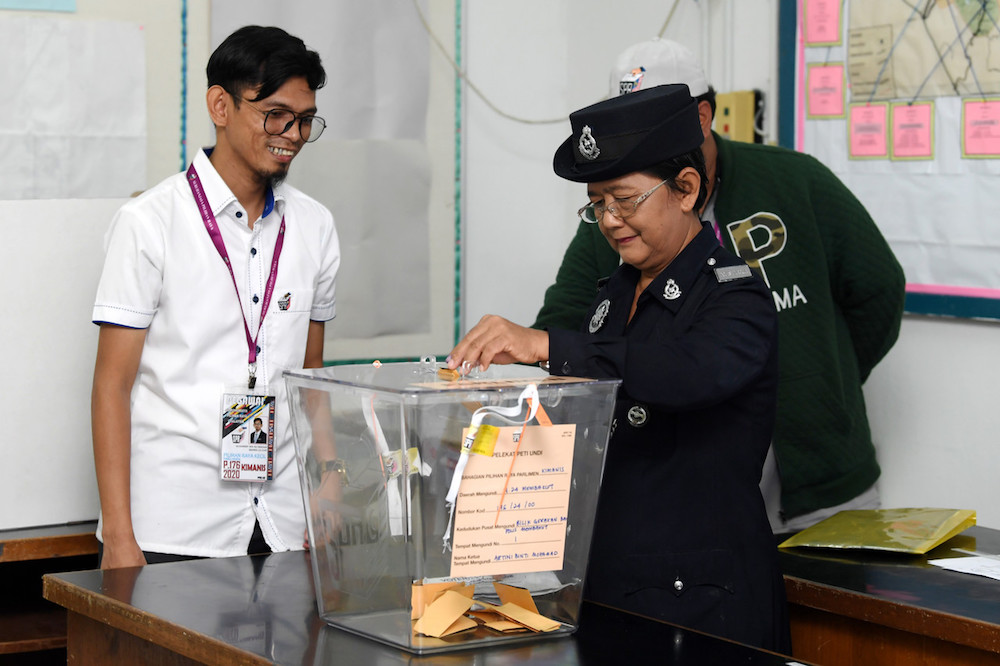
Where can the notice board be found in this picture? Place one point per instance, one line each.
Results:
(901, 100)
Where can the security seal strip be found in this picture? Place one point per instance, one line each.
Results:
(407, 463)
(530, 393)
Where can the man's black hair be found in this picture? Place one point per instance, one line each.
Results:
(708, 97)
(263, 59)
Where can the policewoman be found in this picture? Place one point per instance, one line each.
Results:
(681, 532)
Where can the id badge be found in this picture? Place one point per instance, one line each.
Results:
(247, 437)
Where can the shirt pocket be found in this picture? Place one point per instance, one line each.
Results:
(287, 327)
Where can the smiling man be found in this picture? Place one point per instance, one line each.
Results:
(215, 281)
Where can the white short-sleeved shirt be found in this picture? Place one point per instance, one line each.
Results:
(163, 273)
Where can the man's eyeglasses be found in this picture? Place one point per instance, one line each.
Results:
(279, 121)
(620, 208)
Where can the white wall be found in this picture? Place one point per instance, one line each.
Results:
(930, 402)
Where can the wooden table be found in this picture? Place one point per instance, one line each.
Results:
(261, 610)
(877, 608)
(28, 623)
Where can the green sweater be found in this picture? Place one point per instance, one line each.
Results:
(839, 293)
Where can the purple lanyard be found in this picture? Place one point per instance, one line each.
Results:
(213, 231)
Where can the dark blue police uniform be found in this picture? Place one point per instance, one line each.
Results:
(681, 533)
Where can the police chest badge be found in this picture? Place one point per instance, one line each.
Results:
(671, 291)
(588, 144)
(597, 321)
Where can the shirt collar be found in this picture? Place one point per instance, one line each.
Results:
(268, 202)
(671, 286)
(221, 197)
(675, 281)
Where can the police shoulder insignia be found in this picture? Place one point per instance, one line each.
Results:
(730, 273)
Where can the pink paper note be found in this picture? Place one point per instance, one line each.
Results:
(825, 86)
(981, 128)
(867, 130)
(822, 21)
(913, 131)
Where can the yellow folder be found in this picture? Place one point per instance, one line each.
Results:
(900, 530)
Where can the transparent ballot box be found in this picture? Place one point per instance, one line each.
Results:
(449, 513)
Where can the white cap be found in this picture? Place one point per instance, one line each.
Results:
(657, 62)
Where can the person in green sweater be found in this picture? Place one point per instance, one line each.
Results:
(835, 282)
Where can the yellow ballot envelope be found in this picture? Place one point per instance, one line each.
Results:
(900, 530)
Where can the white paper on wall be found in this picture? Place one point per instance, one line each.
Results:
(73, 112)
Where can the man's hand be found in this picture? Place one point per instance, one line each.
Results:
(324, 505)
(125, 553)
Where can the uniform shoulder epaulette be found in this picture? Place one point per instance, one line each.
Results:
(730, 273)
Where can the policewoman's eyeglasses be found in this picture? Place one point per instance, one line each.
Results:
(622, 208)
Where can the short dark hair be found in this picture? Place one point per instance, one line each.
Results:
(708, 97)
(668, 170)
(262, 58)
(258, 420)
